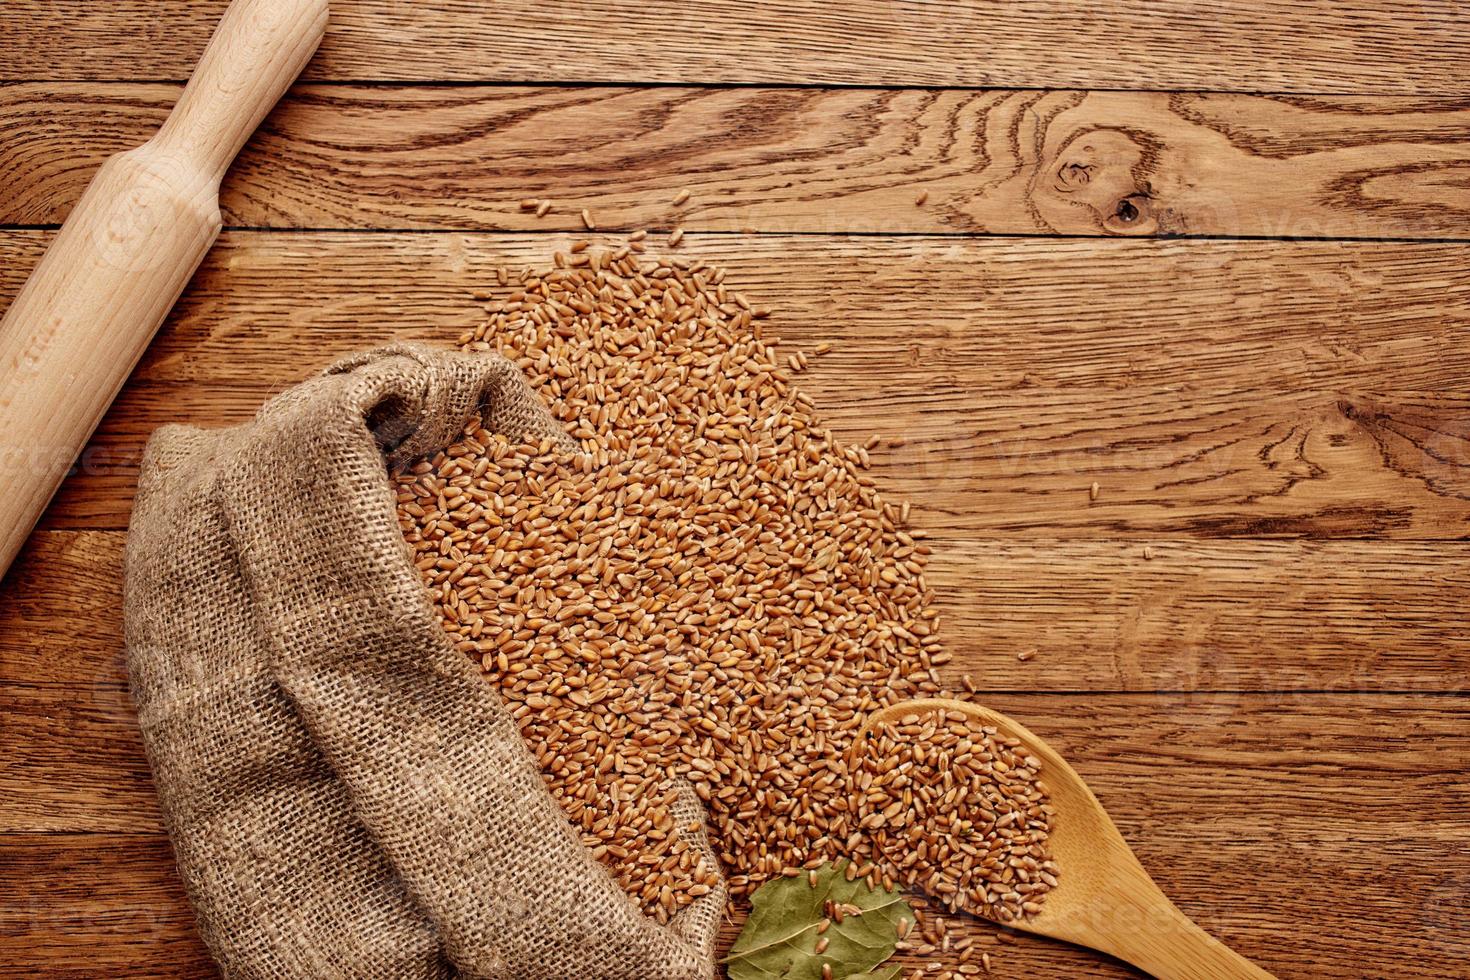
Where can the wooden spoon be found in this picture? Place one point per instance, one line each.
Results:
(1104, 899)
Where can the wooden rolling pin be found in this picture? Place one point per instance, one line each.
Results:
(117, 267)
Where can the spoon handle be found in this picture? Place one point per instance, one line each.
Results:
(1190, 953)
(1167, 944)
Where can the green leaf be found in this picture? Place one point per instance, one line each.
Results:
(779, 941)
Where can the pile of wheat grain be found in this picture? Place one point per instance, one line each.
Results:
(710, 590)
(957, 810)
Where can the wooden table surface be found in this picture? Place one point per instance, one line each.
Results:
(1212, 257)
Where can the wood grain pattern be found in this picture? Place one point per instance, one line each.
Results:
(1099, 163)
(1416, 46)
(1285, 616)
(1231, 389)
(1247, 811)
(1272, 700)
(1000, 314)
(76, 907)
(1317, 464)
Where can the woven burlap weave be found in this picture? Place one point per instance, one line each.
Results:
(347, 797)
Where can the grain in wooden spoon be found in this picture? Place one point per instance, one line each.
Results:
(1103, 898)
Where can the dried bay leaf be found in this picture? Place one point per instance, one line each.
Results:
(780, 938)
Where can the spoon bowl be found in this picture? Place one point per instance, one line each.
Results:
(1103, 899)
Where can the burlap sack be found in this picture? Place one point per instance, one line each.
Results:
(346, 796)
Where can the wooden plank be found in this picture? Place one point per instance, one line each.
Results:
(83, 906)
(983, 463)
(993, 313)
(74, 758)
(1196, 616)
(846, 160)
(1354, 804)
(1387, 46)
(996, 314)
(61, 618)
(1209, 388)
(1200, 616)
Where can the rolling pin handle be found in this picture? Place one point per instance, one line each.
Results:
(255, 54)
